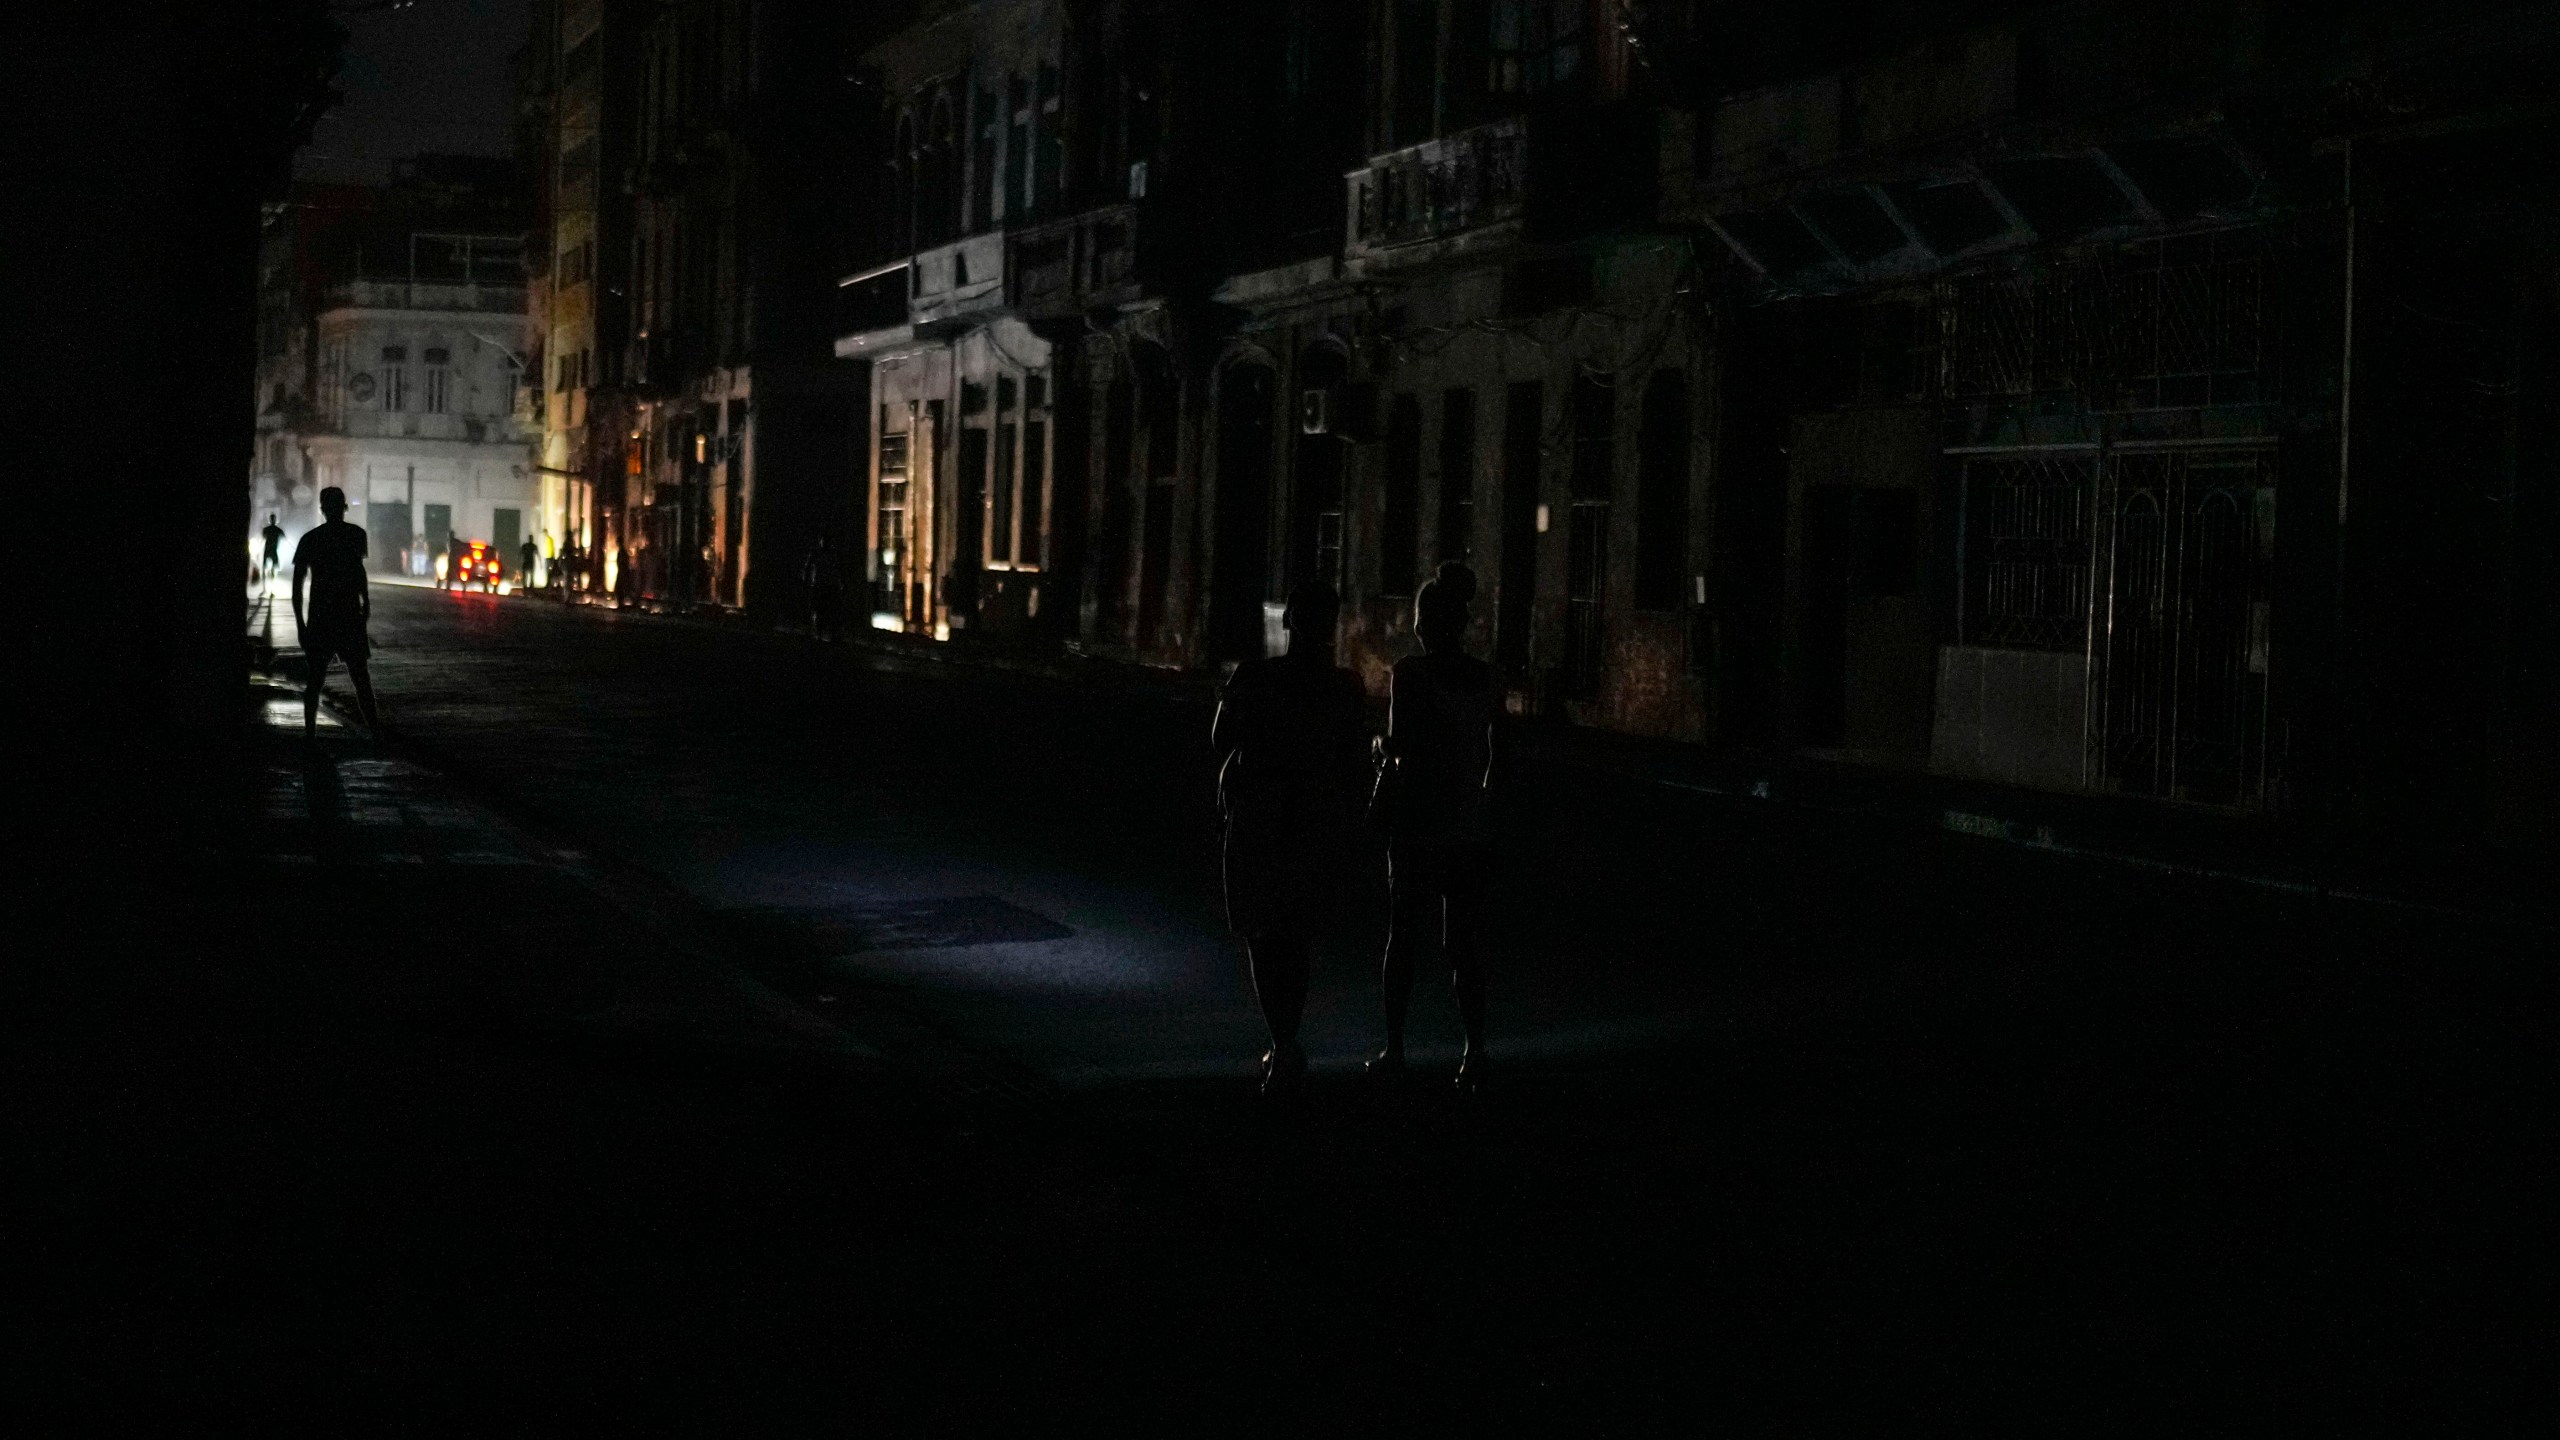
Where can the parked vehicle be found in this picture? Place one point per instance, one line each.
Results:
(475, 562)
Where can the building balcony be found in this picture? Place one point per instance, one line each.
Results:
(954, 286)
(1436, 194)
(1081, 263)
(1534, 178)
(453, 297)
(1056, 269)
(414, 425)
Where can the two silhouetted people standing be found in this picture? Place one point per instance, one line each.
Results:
(331, 558)
(1291, 746)
(1291, 761)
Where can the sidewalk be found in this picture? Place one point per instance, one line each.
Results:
(2291, 855)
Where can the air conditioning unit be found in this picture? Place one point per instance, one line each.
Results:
(1315, 412)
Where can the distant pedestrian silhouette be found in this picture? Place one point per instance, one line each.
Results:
(825, 583)
(1289, 744)
(1440, 742)
(528, 560)
(271, 562)
(331, 558)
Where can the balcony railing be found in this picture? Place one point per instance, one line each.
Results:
(1545, 178)
(420, 425)
(1071, 265)
(950, 283)
(1440, 188)
(454, 296)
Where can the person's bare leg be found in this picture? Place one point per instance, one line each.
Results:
(1280, 971)
(311, 698)
(1465, 948)
(1408, 912)
(362, 675)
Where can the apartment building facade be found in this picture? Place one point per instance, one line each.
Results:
(1973, 392)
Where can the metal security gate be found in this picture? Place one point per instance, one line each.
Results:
(2183, 672)
(2151, 561)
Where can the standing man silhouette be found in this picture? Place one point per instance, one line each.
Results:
(273, 560)
(528, 557)
(332, 558)
(1440, 724)
(1290, 743)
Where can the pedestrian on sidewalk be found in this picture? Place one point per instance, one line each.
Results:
(1439, 754)
(271, 563)
(1288, 735)
(825, 583)
(528, 561)
(331, 559)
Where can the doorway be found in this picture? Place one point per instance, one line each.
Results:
(1523, 415)
(1240, 573)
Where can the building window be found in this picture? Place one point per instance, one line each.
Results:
(892, 517)
(1535, 44)
(439, 389)
(395, 383)
(938, 176)
(986, 125)
(1417, 42)
(1048, 183)
(1017, 148)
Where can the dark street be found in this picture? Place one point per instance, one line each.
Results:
(1549, 717)
(1799, 1120)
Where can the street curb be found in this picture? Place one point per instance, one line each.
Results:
(2044, 838)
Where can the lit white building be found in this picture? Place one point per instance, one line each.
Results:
(422, 413)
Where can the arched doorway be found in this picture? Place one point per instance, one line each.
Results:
(1111, 542)
(1160, 410)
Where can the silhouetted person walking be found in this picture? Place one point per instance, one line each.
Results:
(1289, 743)
(1440, 739)
(825, 584)
(271, 562)
(527, 561)
(332, 557)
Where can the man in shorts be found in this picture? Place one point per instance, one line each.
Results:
(272, 559)
(332, 558)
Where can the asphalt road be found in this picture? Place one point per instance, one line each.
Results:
(898, 810)
(1987, 1135)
